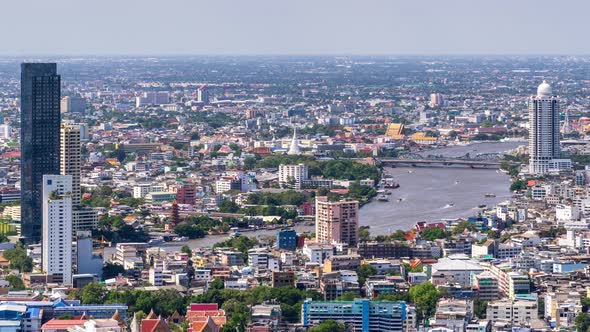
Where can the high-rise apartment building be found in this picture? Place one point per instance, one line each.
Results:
(73, 104)
(186, 194)
(543, 129)
(436, 100)
(152, 98)
(361, 314)
(292, 176)
(40, 121)
(57, 228)
(203, 94)
(83, 218)
(5, 131)
(336, 221)
(70, 157)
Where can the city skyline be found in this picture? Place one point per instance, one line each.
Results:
(297, 28)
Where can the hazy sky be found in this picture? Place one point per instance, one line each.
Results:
(294, 27)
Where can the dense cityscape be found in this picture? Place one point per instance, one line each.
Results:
(294, 194)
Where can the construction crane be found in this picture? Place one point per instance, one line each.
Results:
(101, 244)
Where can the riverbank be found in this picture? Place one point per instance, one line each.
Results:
(210, 240)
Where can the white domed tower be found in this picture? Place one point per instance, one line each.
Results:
(543, 129)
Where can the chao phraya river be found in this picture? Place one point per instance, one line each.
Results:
(432, 194)
(427, 194)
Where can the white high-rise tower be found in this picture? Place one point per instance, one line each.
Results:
(544, 129)
(57, 228)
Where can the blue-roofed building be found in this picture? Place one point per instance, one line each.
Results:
(61, 307)
(32, 320)
(98, 311)
(286, 239)
(568, 267)
(481, 223)
(11, 316)
(362, 314)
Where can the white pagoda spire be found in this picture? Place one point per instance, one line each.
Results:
(294, 148)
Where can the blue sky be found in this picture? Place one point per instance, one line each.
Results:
(364, 27)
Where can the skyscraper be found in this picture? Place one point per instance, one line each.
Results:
(336, 221)
(83, 218)
(203, 94)
(40, 121)
(544, 129)
(57, 228)
(70, 157)
(436, 100)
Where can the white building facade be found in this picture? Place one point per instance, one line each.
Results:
(292, 176)
(57, 228)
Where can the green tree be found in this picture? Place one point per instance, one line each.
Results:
(398, 235)
(15, 282)
(133, 202)
(249, 163)
(480, 308)
(238, 312)
(518, 184)
(18, 259)
(328, 325)
(187, 250)
(228, 206)
(167, 301)
(431, 234)
(241, 243)
(365, 271)
(462, 226)
(582, 322)
(111, 270)
(217, 284)
(364, 234)
(425, 295)
(348, 296)
(190, 231)
(94, 293)
(65, 317)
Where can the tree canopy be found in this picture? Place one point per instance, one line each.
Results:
(18, 259)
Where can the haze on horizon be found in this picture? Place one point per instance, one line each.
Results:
(303, 27)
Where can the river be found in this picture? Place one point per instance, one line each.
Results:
(210, 240)
(432, 194)
(428, 194)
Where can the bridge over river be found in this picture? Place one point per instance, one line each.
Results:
(482, 160)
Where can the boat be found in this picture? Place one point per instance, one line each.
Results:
(451, 204)
(399, 199)
(234, 232)
(180, 239)
(482, 206)
(388, 183)
(383, 198)
(489, 195)
(155, 241)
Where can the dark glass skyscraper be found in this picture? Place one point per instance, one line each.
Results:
(40, 140)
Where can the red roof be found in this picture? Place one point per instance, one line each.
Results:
(62, 324)
(12, 154)
(204, 307)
